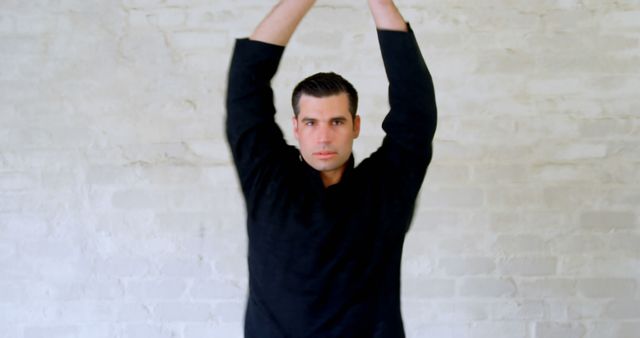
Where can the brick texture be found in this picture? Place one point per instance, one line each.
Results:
(120, 212)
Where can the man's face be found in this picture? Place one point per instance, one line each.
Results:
(325, 132)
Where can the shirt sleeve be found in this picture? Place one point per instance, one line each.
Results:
(411, 121)
(251, 129)
(400, 164)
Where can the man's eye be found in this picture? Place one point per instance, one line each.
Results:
(338, 123)
(308, 123)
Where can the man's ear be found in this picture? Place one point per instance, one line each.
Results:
(356, 126)
(294, 121)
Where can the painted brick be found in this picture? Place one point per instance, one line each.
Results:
(576, 244)
(577, 152)
(460, 266)
(522, 243)
(97, 330)
(214, 330)
(139, 200)
(486, 329)
(17, 181)
(461, 311)
(148, 330)
(182, 312)
(585, 310)
(628, 329)
(517, 310)
(547, 288)
(604, 128)
(608, 220)
(166, 18)
(10, 331)
(185, 268)
(417, 265)
(571, 197)
(613, 329)
(449, 173)
(626, 18)
(49, 249)
(19, 226)
(626, 197)
(466, 245)
(569, 172)
(194, 40)
(51, 331)
(623, 309)
(528, 266)
(7, 250)
(104, 290)
(438, 329)
(156, 289)
(624, 267)
(607, 288)
(133, 312)
(501, 174)
(486, 287)
(234, 266)
(626, 242)
(506, 198)
(217, 289)
(116, 266)
(12, 292)
(230, 311)
(452, 198)
(559, 330)
(80, 312)
(428, 287)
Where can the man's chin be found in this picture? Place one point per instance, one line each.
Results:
(324, 166)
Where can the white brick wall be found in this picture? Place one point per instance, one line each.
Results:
(120, 213)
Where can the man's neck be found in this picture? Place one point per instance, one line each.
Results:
(332, 177)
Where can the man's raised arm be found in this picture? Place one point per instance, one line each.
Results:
(411, 122)
(251, 129)
(280, 24)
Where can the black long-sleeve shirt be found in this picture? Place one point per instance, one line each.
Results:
(325, 262)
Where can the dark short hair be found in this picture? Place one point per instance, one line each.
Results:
(323, 85)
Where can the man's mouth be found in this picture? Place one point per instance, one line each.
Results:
(323, 155)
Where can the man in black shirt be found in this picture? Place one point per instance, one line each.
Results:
(326, 237)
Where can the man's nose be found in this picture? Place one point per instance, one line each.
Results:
(324, 134)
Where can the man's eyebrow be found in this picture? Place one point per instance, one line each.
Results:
(339, 118)
(308, 119)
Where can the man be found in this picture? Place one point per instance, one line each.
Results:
(325, 237)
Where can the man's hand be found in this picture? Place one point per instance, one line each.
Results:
(279, 25)
(387, 16)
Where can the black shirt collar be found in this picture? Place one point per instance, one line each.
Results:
(315, 174)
